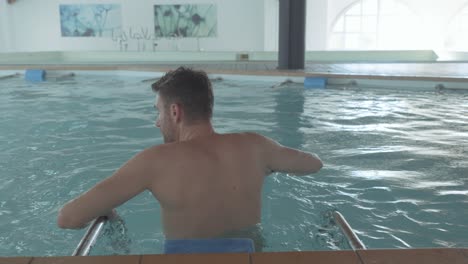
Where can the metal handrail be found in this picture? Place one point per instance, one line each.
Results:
(353, 239)
(89, 238)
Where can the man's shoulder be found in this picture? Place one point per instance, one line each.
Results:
(160, 150)
(167, 151)
(252, 138)
(156, 152)
(243, 136)
(259, 138)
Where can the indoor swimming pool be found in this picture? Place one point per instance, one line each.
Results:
(394, 161)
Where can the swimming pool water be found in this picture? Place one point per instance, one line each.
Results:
(395, 162)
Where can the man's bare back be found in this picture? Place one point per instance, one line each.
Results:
(209, 186)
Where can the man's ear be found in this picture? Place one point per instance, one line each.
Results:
(176, 112)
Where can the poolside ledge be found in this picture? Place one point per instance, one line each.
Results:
(387, 256)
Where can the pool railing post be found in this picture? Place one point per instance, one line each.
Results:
(352, 238)
(90, 237)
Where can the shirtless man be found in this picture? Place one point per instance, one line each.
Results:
(208, 184)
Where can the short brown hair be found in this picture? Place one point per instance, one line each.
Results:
(192, 89)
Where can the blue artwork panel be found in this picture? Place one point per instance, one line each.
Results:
(189, 20)
(90, 20)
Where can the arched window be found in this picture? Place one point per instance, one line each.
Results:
(376, 24)
(457, 32)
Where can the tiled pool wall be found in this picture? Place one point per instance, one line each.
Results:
(387, 256)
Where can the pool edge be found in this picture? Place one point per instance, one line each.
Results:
(427, 255)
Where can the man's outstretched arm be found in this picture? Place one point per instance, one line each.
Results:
(284, 159)
(131, 179)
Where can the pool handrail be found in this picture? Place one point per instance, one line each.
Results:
(89, 238)
(353, 239)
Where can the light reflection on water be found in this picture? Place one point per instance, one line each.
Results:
(395, 162)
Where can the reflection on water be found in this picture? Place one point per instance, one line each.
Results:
(287, 112)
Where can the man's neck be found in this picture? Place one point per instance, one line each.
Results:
(196, 131)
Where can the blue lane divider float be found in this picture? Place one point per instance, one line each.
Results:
(35, 75)
(221, 245)
(315, 82)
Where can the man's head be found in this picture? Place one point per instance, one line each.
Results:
(185, 97)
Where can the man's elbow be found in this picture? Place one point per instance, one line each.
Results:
(317, 164)
(66, 222)
(320, 165)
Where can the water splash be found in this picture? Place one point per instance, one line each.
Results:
(114, 239)
(329, 234)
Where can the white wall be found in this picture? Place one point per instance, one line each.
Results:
(435, 11)
(438, 14)
(2, 37)
(434, 14)
(271, 23)
(316, 29)
(335, 9)
(243, 25)
(316, 20)
(36, 26)
(3, 26)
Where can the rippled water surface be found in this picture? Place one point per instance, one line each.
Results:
(396, 162)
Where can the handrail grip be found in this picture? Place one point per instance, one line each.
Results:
(90, 237)
(353, 239)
